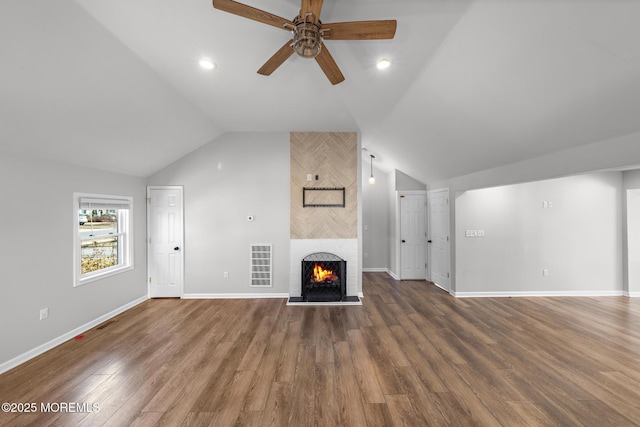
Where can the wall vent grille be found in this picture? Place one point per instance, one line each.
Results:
(261, 265)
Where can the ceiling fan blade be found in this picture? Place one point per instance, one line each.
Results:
(360, 30)
(251, 13)
(313, 7)
(329, 66)
(277, 59)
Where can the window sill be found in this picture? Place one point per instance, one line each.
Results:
(102, 275)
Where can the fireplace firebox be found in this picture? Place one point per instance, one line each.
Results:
(324, 277)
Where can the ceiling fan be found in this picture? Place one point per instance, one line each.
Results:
(309, 33)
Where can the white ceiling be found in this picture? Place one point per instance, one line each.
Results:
(474, 83)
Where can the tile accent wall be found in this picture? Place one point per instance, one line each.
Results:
(333, 157)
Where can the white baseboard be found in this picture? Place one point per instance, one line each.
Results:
(24, 357)
(632, 294)
(393, 275)
(375, 270)
(537, 294)
(233, 296)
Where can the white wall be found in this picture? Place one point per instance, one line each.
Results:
(406, 183)
(631, 231)
(393, 212)
(37, 228)
(577, 238)
(617, 152)
(375, 221)
(236, 175)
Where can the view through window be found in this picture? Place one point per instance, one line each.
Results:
(98, 231)
(102, 236)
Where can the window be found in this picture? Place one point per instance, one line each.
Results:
(103, 244)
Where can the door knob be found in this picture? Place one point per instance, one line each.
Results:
(177, 248)
(428, 241)
(404, 241)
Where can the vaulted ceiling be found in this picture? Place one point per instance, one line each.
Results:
(473, 83)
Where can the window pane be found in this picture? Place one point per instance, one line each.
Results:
(97, 222)
(99, 253)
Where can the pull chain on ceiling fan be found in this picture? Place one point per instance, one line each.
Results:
(309, 32)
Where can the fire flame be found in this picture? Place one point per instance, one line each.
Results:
(320, 274)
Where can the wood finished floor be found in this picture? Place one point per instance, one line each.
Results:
(410, 355)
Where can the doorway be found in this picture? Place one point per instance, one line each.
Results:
(439, 260)
(413, 235)
(165, 241)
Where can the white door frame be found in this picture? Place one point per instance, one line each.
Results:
(398, 233)
(149, 254)
(429, 245)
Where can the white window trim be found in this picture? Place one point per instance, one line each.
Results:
(125, 255)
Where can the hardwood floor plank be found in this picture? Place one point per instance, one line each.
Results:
(256, 399)
(223, 377)
(176, 402)
(228, 407)
(410, 355)
(253, 356)
(418, 361)
(377, 415)
(423, 401)
(326, 407)
(350, 397)
(365, 370)
(303, 396)
(529, 413)
(402, 411)
(278, 406)
(286, 368)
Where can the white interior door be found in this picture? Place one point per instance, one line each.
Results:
(165, 241)
(413, 244)
(439, 236)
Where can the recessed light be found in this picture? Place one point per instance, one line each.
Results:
(383, 63)
(207, 64)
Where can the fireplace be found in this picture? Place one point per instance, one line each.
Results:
(324, 278)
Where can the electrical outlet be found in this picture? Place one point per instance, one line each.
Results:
(309, 177)
(226, 274)
(545, 272)
(44, 313)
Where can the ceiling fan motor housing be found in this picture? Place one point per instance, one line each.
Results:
(307, 40)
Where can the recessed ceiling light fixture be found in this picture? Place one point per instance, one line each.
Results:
(207, 64)
(383, 64)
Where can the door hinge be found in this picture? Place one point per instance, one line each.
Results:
(149, 240)
(447, 201)
(447, 238)
(149, 279)
(149, 200)
(447, 275)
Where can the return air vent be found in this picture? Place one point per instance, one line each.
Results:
(261, 265)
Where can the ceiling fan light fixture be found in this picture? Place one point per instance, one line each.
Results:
(307, 41)
(383, 64)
